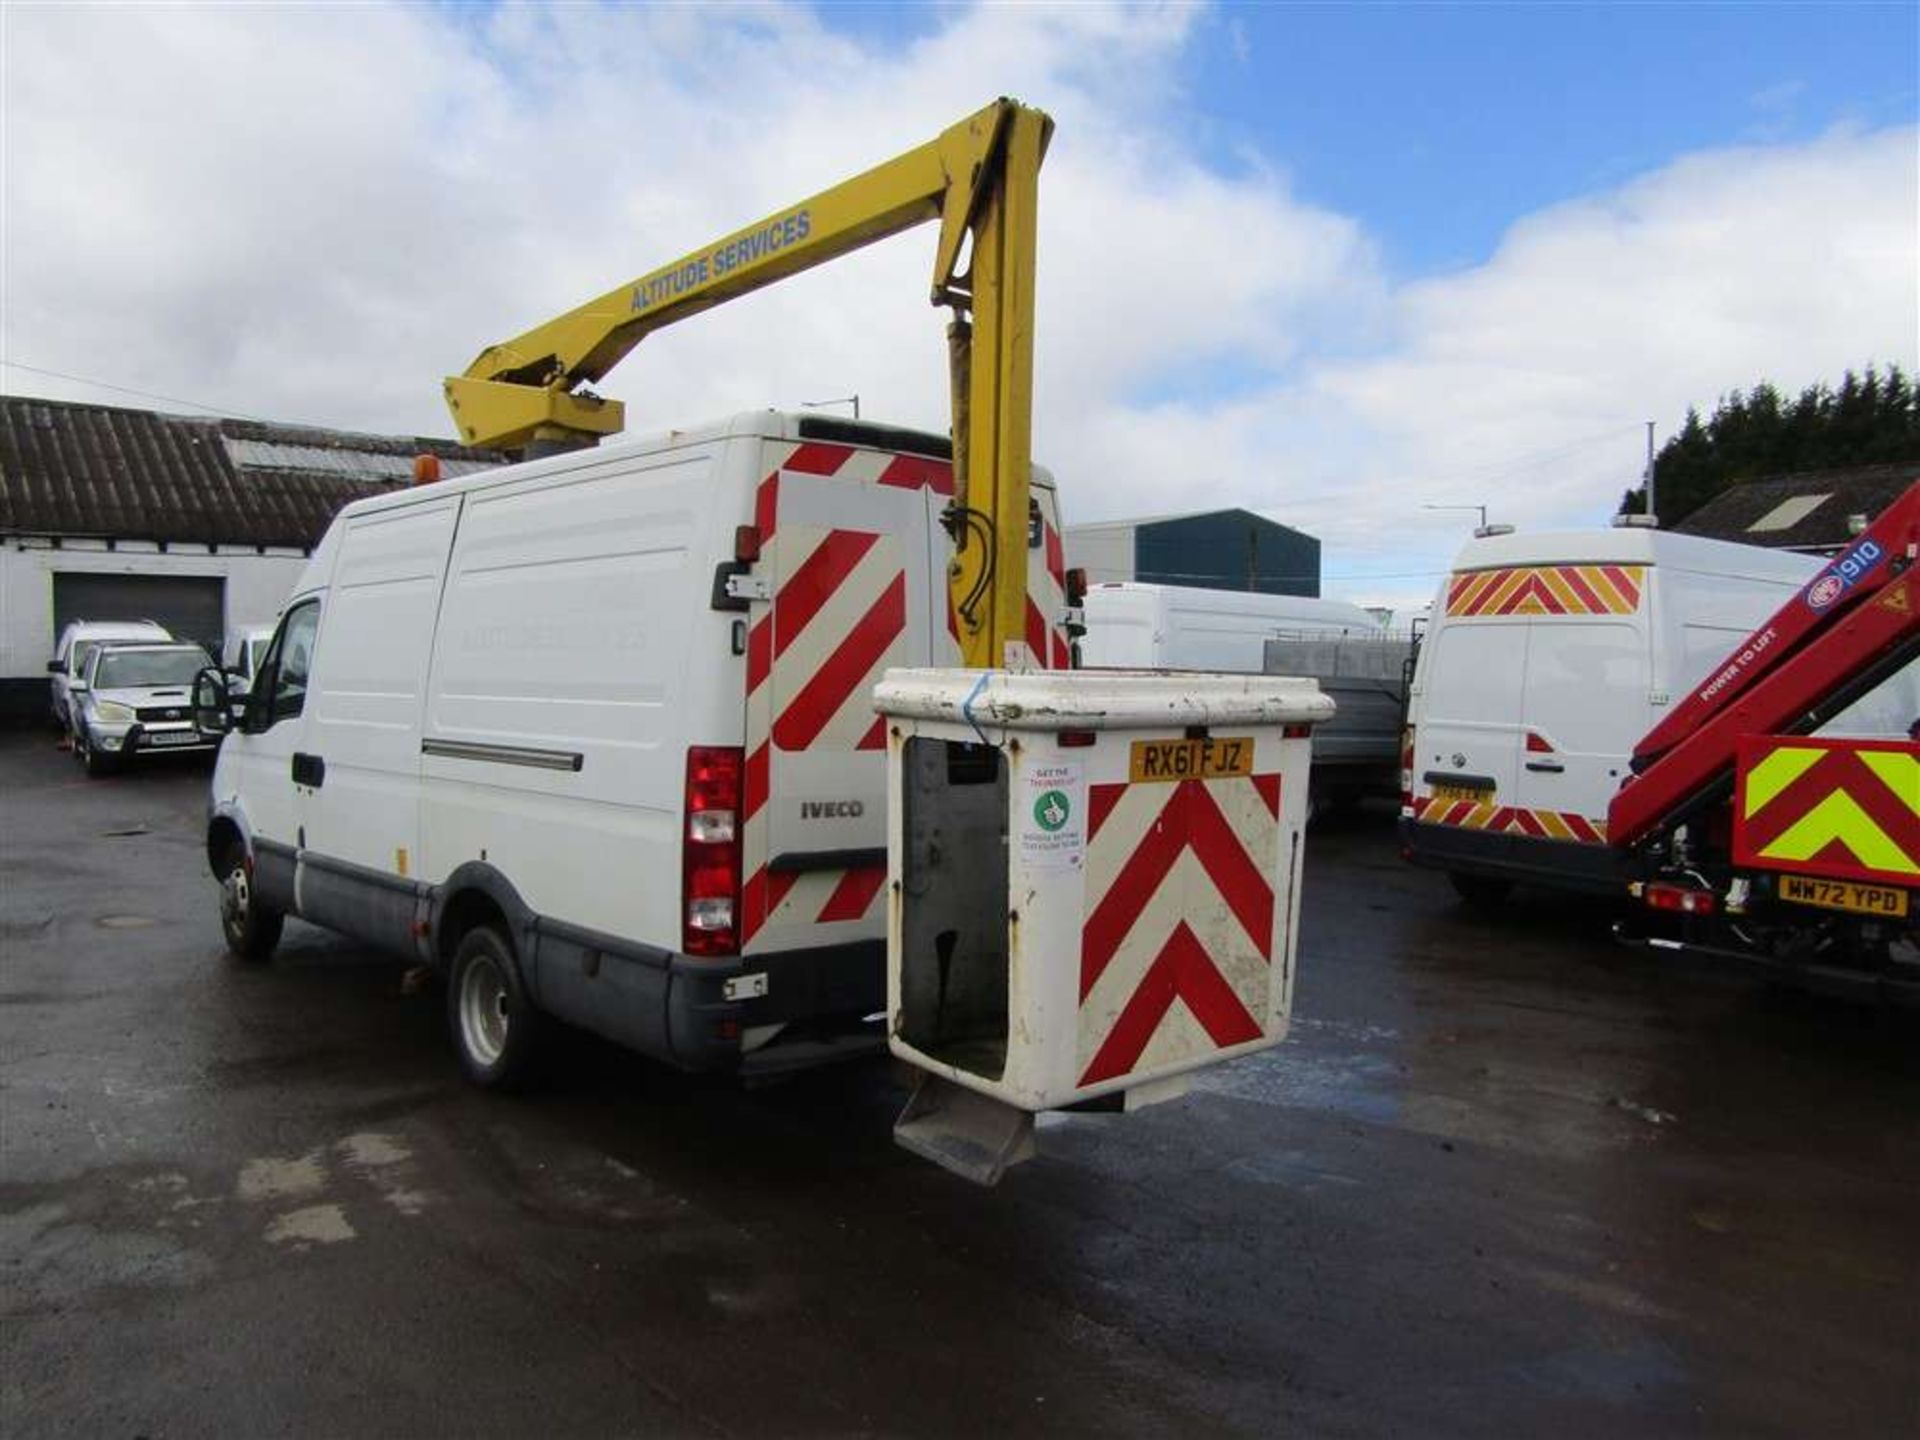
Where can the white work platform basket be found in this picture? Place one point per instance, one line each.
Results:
(1094, 885)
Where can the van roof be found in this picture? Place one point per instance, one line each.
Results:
(763, 424)
(1636, 547)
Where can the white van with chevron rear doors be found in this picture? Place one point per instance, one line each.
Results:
(594, 736)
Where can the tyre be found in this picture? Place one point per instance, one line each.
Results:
(1480, 891)
(252, 929)
(91, 760)
(495, 1028)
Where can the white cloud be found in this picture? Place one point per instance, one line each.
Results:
(314, 214)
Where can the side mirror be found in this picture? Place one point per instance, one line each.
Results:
(212, 706)
(55, 667)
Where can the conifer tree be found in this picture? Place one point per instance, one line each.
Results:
(1872, 419)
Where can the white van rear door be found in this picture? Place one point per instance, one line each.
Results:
(856, 564)
(1588, 699)
(1467, 743)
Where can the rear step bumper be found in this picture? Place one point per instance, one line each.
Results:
(1566, 864)
(1887, 987)
(802, 988)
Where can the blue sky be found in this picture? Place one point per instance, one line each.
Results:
(1438, 125)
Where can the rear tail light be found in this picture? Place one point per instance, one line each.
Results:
(1076, 586)
(1537, 744)
(1683, 899)
(1406, 765)
(710, 851)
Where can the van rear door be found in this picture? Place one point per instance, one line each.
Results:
(1466, 758)
(1588, 700)
(856, 565)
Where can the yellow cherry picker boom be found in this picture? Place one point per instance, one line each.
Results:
(1140, 918)
(980, 180)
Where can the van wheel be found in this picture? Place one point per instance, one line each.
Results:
(495, 1027)
(252, 929)
(1480, 891)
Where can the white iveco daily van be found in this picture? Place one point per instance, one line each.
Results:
(594, 734)
(1547, 658)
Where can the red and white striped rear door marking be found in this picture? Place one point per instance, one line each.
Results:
(1181, 923)
(845, 542)
(1046, 635)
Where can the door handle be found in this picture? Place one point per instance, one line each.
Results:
(309, 770)
(1546, 767)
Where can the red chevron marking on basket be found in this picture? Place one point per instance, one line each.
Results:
(919, 472)
(853, 894)
(1062, 654)
(811, 586)
(1269, 788)
(829, 687)
(1190, 821)
(1100, 802)
(1182, 971)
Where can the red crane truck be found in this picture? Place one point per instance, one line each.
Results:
(1745, 835)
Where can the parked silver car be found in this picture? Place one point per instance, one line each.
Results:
(136, 699)
(77, 642)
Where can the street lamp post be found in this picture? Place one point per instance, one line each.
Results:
(1481, 510)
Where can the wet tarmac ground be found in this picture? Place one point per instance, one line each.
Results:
(1504, 1179)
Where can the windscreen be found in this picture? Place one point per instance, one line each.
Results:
(127, 669)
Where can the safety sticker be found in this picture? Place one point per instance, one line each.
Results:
(1053, 818)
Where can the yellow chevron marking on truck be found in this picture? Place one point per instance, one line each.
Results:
(1839, 817)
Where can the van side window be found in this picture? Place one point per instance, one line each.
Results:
(289, 660)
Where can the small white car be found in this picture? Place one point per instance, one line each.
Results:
(77, 642)
(136, 699)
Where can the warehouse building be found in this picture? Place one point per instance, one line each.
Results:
(200, 524)
(1209, 550)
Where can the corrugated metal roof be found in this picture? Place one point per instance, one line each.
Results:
(1805, 511)
(73, 469)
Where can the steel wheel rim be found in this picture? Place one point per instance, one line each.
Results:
(236, 898)
(483, 1009)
